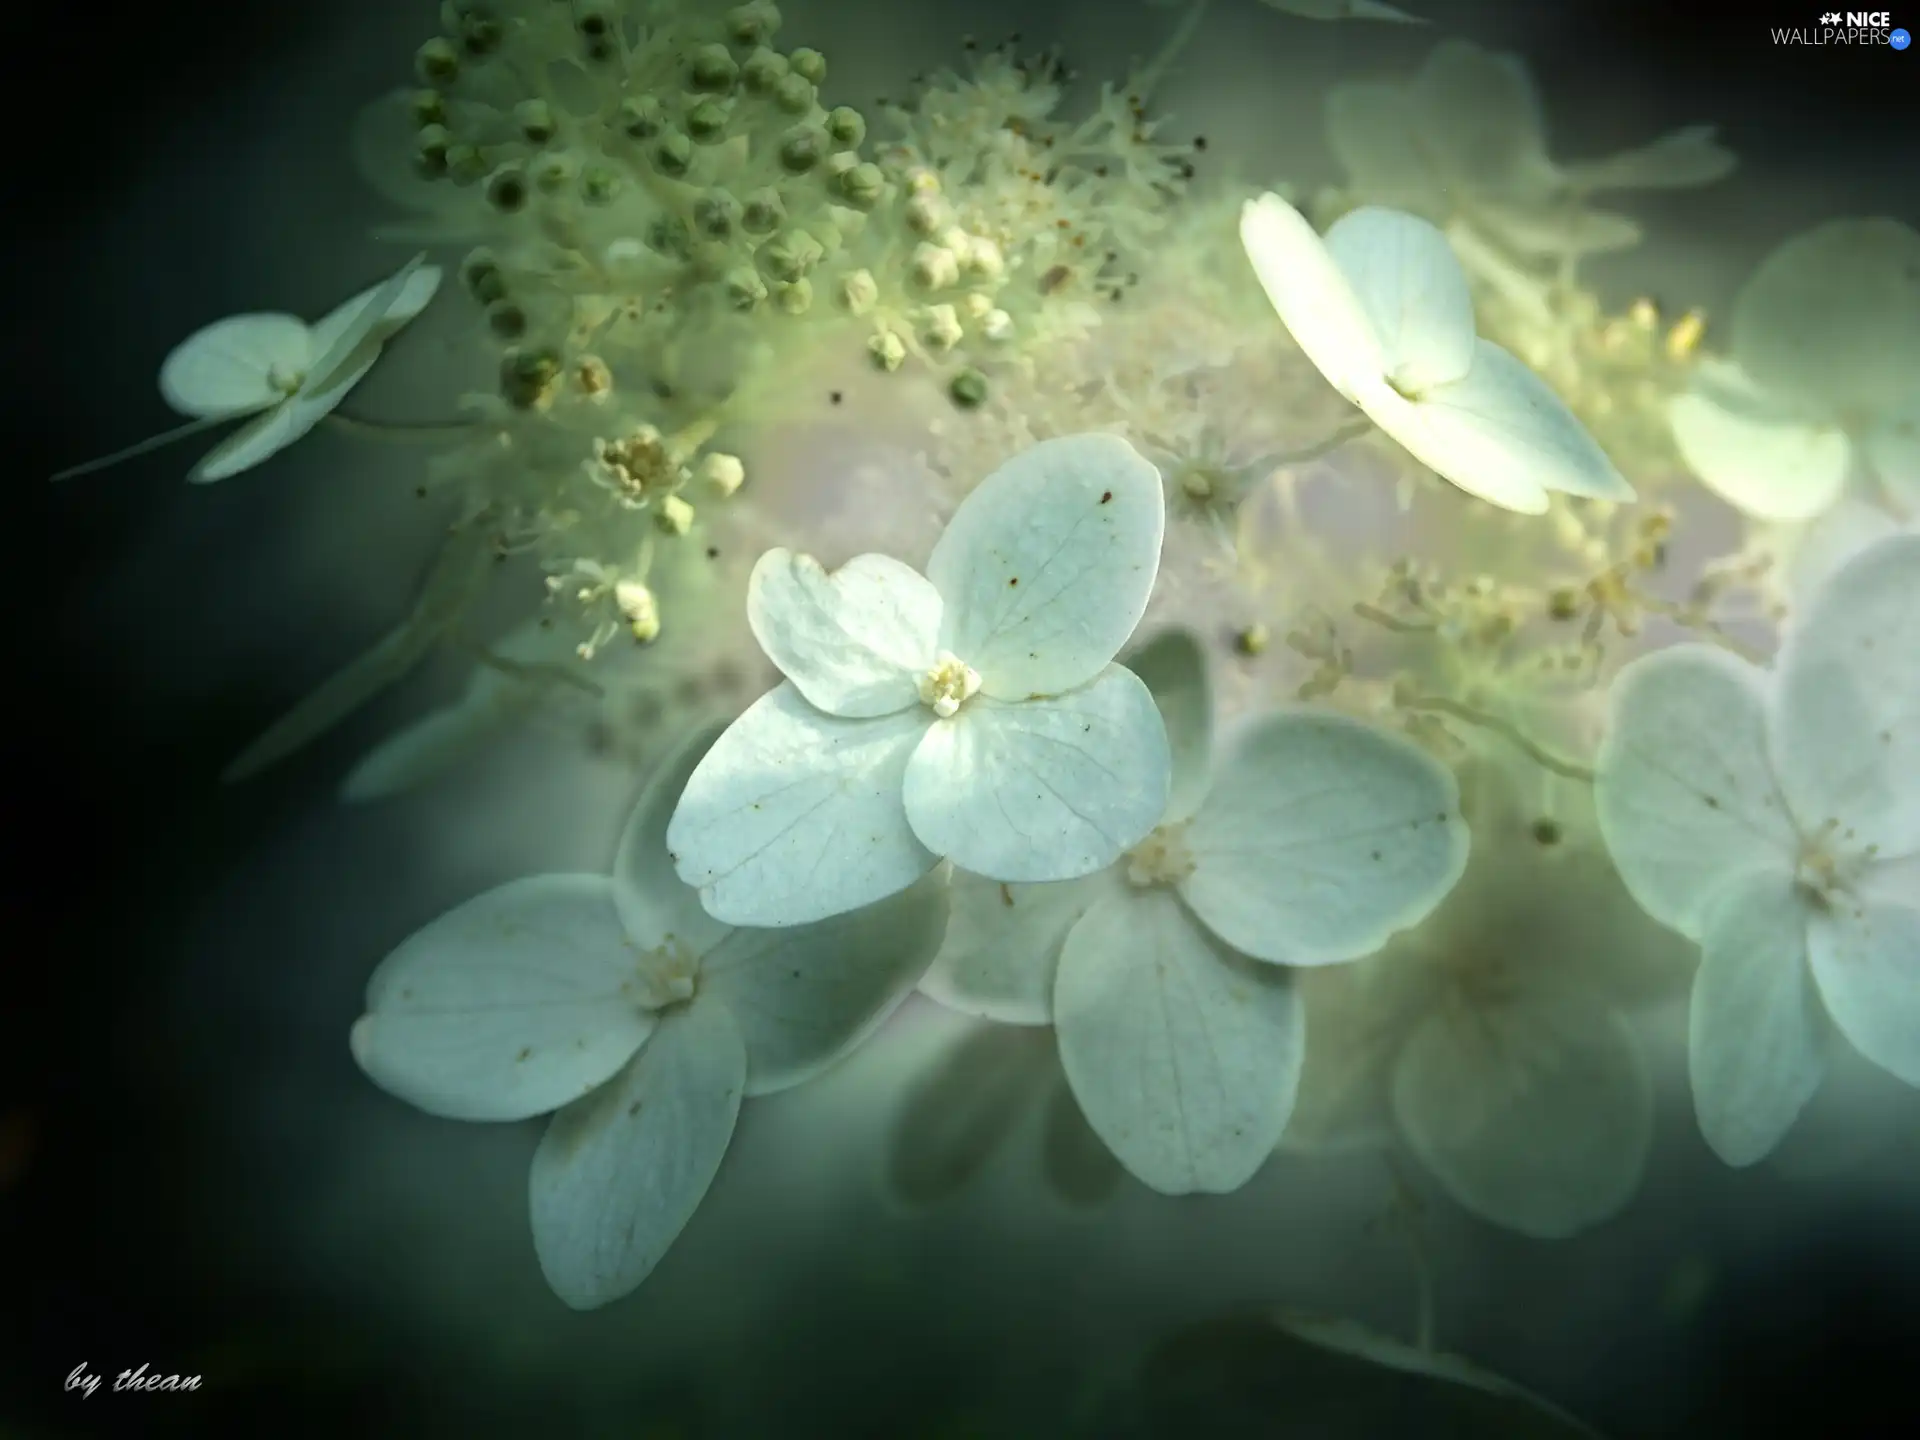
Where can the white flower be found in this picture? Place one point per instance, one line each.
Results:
(1166, 974)
(1820, 389)
(1775, 819)
(621, 1006)
(1382, 310)
(278, 369)
(974, 713)
(1494, 1042)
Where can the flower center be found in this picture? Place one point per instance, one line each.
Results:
(666, 976)
(1827, 869)
(287, 382)
(949, 684)
(1162, 858)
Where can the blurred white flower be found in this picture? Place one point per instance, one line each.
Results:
(1775, 819)
(1166, 976)
(973, 713)
(1381, 307)
(1815, 417)
(619, 1005)
(286, 374)
(1494, 1042)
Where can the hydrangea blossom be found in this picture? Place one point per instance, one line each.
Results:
(973, 713)
(1167, 976)
(1819, 389)
(1381, 308)
(639, 1021)
(1495, 1042)
(1464, 145)
(286, 374)
(1775, 819)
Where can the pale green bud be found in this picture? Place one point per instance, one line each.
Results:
(810, 65)
(673, 515)
(536, 122)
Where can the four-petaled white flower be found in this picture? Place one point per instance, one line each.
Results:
(280, 370)
(1812, 423)
(974, 713)
(1166, 975)
(1775, 819)
(1381, 308)
(623, 1007)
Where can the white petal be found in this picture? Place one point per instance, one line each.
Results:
(1755, 1034)
(260, 440)
(1769, 466)
(507, 1006)
(1315, 301)
(369, 318)
(1371, 131)
(1846, 727)
(805, 996)
(1892, 448)
(1503, 435)
(1480, 113)
(1003, 943)
(1678, 160)
(1046, 567)
(656, 906)
(1817, 552)
(1184, 1056)
(1535, 1113)
(1866, 961)
(1322, 837)
(618, 1174)
(224, 368)
(1834, 315)
(795, 815)
(855, 641)
(1413, 290)
(1684, 791)
(1173, 667)
(1042, 789)
(1547, 229)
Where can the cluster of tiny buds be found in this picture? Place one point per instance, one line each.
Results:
(634, 607)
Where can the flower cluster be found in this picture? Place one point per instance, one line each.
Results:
(1291, 549)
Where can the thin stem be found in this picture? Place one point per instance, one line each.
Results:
(1183, 33)
(393, 430)
(152, 442)
(1405, 1209)
(1506, 730)
(1350, 430)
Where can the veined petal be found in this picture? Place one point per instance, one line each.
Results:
(795, 815)
(260, 440)
(1413, 290)
(855, 641)
(1046, 567)
(1755, 1034)
(1173, 667)
(1321, 838)
(369, 317)
(1768, 468)
(1040, 790)
(619, 1173)
(1846, 732)
(656, 906)
(1003, 942)
(1684, 791)
(510, 1005)
(1866, 961)
(1185, 1057)
(229, 367)
(1502, 434)
(1315, 300)
(804, 996)
(1535, 1113)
